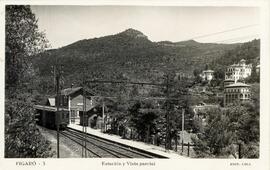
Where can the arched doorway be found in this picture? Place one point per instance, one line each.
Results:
(92, 121)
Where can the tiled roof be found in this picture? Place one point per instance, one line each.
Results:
(48, 108)
(237, 85)
(51, 101)
(70, 91)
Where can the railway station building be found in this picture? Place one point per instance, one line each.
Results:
(72, 99)
(71, 103)
(99, 115)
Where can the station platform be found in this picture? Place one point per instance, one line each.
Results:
(136, 144)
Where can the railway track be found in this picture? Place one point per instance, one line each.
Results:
(98, 147)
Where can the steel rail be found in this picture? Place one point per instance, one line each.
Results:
(64, 134)
(81, 138)
(101, 147)
(110, 151)
(154, 155)
(115, 145)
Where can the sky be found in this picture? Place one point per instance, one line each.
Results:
(64, 25)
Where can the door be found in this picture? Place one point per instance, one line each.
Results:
(73, 115)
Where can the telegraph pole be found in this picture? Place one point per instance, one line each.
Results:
(84, 121)
(168, 131)
(84, 151)
(183, 121)
(103, 115)
(57, 74)
(57, 111)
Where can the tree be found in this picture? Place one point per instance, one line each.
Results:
(219, 75)
(228, 127)
(176, 92)
(23, 40)
(143, 115)
(215, 137)
(254, 77)
(206, 67)
(196, 73)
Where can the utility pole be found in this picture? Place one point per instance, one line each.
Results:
(83, 138)
(57, 116)
(239, 151)
(168, 136)
(83, 148)
(103, 115)
(183, 121)
(57, 112)
(106, 120)
(84, 121)
(84, 151)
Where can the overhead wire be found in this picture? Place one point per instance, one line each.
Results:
(232, 40)
(221, 32)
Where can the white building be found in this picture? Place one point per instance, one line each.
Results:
(238, 71)
(236, 92)
(258, 68)
(207, 75)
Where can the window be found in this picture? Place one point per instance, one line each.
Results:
(65, 100)
(72, 116)
(72, 113)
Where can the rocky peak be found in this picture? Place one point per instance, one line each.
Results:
(134, 33)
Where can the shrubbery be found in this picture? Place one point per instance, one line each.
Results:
(228, 127)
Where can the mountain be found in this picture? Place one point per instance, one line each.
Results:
(127, 55)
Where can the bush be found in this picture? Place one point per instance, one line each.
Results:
(22, 137)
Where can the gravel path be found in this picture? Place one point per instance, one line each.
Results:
(68, 149)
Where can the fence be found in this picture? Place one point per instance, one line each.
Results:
(187, 150)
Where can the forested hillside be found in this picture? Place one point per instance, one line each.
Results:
(127, 55)
(249, 51)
